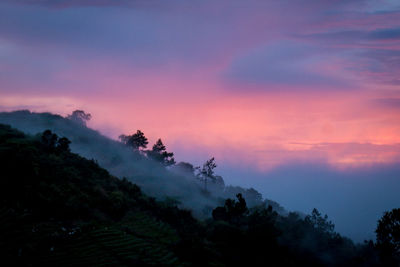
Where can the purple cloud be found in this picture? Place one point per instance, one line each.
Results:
(286, 63)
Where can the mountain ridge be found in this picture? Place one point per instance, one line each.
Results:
(59, 208)
(122, 161)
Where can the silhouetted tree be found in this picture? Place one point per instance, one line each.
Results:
(252, 196)
(136, 141)
(207, 171)
(388, 233)
(240, 207)
(233, 211)
(320, 223)
(52, 143)
(159, 146)
(160, 154)
(49, 139)
(80, 117)
(63, 144)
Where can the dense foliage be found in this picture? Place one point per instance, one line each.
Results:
(159, 153)
(60, 209)
(136, 140)
(388, 236)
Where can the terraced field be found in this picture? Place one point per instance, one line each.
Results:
(138, 239)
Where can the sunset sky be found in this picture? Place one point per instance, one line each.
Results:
(258, 84)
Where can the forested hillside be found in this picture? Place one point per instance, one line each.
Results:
(180, 182)
(61, 209)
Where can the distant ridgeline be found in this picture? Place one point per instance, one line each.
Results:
(58, 208)
(154, 170)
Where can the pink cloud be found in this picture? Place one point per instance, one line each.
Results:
(162, 71)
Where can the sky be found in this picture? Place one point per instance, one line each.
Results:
(294, 98)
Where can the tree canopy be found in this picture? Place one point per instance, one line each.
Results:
(319, 222)
(159, 153)
(233, 211)
(136, 141)
(207, 171)
(80, 117)
(388, 232)
(51, 142)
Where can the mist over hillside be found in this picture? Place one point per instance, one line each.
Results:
(296, 188)
(156, 180)
(60, 209)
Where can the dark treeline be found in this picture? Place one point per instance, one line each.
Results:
(60, 209)
(151, 167)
